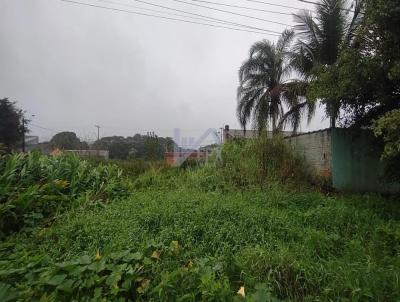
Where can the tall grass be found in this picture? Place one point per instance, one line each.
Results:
(198, 246)
(240, 164)
(131, 167)
(262, 161)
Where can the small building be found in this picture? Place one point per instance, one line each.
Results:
(175, 159)
(348, 159)
(31, 142)
(105, 154)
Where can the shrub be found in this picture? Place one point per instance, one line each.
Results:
(121, 276)
(35, 187)
(263, 161)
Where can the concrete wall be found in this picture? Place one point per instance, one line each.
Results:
(315, 148)
(349, 160)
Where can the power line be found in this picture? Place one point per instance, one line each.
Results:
(211, 18)
(273, 4)
(50, 129)
(232, 13)
(201, 17)
(321, 4)
(160, 12)
(244, 7)
(44, 128)
(162, 17)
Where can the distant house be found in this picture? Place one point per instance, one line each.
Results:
(31, 142)
(175, 159)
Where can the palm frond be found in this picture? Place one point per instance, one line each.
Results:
(262, 82)
(283, 44)
(308, 32)
(332, 22)
(352, 27)
(298, 106)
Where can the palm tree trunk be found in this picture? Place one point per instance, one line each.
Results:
(333, 121)
(331, 106)
(273, 126)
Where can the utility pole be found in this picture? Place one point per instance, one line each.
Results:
(23, 132)
(98, 138)
(23, 135)
(98, 131)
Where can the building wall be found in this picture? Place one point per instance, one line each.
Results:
(350, 160)
(315, 148)
(356, 164)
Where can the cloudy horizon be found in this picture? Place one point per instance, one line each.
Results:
(75, 66)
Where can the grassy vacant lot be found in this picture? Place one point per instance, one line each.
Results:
(200, 235)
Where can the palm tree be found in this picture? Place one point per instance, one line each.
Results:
(320, 41)
(264, 91)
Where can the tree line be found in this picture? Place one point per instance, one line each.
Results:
(149, 147)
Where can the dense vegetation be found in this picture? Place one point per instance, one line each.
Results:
(217, 232)
(148, 147)
(35, 188)
(67, 140)
(11, 126)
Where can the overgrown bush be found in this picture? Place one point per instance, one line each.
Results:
(261, 161)
(35, 188)
(241, 164)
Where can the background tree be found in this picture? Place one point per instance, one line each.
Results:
(320, 42)
(387, 127)
(66, 141)
(137, 146)
(11, 128)
(264, 89)
(118, 146)
(366, 78)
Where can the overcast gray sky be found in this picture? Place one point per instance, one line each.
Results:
(75, 66)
